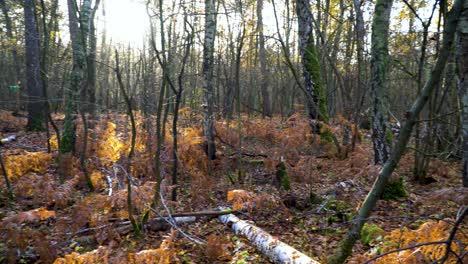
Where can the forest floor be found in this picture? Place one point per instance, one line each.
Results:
(47, 220)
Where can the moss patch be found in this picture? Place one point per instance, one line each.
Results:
(326, 135)
(314, 198)
(282, 176)
(394, 190)
(371, 233)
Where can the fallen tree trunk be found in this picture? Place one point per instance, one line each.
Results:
(160, 224)
(7, 139)
(275, 250)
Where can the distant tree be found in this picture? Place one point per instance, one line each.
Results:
(14, 52)
(91, 62)
(360, 34)
(45, 54)
(208, 92)
(266, 109)
(33, 68)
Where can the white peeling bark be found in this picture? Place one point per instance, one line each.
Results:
(275, 250)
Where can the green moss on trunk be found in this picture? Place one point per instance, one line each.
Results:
(313, 67)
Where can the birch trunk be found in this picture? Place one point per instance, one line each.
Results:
(208, 95)
(275, 250)
(379, 68)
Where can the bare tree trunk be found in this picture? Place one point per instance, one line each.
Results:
(135, 224)
(208, 96)
(45, 68)
(379, 69)
(78, 34)
(14, 53)
(462, 61)
(361, 82)
(346, 246)
(263, 62)
(91, 62)
(33, 68)
(188, 47)
(315, 97)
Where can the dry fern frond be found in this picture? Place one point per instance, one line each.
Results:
(165, 254)
(18, 163)
(244, 200)
(97, 256)
(431, 231)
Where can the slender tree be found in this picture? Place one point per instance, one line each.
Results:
(46, 29)
(208, 94)
(178, 100)
(14, 53)
(266, 103)
(135, 225)
(91, 62)
(361, 84)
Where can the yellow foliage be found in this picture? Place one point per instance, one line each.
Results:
(185, 111)
(96, 256)
(432, 231)
(19, 163)
(165, 254)
(109, 146)
(53, 142)
(193, 158)
(97, 179)
(192, 136)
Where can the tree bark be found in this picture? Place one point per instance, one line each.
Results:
(208, 95)
(379, 68)
(462, 61)
(46, 28)
(315, 96)
(14, 53)
(346, 246)
(274, 249)
(263, 62)
(33, 68)
(91, 62)
(78, 34)
(361, 84)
